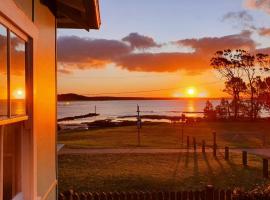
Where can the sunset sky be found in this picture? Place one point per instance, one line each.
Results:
(159, 48)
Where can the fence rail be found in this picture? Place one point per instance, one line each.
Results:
(208, 194)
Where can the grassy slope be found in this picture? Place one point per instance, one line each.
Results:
(233, 134)
(156, 172)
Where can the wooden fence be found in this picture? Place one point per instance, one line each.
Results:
(208, 194)
(265, 165)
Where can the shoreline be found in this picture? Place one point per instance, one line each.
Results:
(146, 120)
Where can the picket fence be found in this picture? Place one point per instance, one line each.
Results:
(208, 194)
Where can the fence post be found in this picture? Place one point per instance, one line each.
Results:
(214, 144)
(214, 138)
(203, 146)
(185, 195)
(196, 195)
(188, 142)
(222, 195)
(190, 195)
(194, 144)
(69, 194)
(96, 195)
(102, 196)
(265, 168)
(226, 153)
(178, 195)
(244, 158)
(209, 192)
(160, 196)
(228, 195)
(61, 196)
(172, 196)
(214, 150)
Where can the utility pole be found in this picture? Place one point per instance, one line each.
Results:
(183, 121)
(139, 125)
(95, 109)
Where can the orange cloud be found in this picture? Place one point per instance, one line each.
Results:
(263, 5)
(264, 31)
(163, 62)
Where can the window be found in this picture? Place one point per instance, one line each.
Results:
(12, 74)
(12, 112)
(17, 75)
(3, 73)
(12, 163)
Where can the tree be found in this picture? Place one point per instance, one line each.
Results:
(209, 111)
(247, 64)
(235, 86)
(227, 64)
(236, 67)
(263, 92)
(223, 109)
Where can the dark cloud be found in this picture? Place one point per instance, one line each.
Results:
(75, 52)
(241, 19)
(84, 52)
(140, 41)
(210, 45)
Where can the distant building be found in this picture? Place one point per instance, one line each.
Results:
(28, 99)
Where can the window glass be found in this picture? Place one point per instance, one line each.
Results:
(17, 75)
(3, 72)
(12, 173)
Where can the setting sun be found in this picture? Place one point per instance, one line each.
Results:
(191, 91)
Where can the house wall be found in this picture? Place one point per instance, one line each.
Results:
(45, 100)
(44, 96)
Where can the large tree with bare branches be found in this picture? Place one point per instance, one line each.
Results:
(242, 71)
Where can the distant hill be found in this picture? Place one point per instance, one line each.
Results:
(77, 97)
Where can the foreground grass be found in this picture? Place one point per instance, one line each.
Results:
(162, 135)
(127, 172)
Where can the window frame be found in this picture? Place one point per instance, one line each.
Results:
(12, 29)
(14, 18)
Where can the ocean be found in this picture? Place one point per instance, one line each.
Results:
(115, 109)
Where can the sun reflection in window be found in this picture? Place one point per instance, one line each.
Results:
(19, 94)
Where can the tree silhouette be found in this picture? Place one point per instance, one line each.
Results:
(238, 66)
(209, 111)
(235, 86)
(223, 109)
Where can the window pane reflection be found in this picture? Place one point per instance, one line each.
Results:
(3, 72)
(12, 161)
(17, 75)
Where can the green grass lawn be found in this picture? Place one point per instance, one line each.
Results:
(128, 172)
(162, 135)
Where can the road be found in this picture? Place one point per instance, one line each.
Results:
(260, 152)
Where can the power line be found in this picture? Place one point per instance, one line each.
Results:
(146, 91)
(117, 77)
